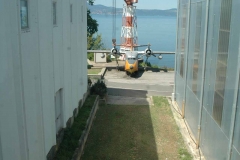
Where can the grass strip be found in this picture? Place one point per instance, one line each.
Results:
(73, 134)
(94, 71)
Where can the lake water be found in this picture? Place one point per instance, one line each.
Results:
(160, 32)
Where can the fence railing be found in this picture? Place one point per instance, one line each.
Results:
(109, 51)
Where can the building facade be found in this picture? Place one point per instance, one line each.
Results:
(207, 74)
(43, 73)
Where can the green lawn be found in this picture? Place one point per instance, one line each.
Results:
(135, 132)
(94, 71)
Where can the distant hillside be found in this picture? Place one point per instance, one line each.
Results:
(104, 10)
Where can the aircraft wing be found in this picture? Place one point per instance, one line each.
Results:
(139, 52)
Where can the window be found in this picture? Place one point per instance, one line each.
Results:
(197, 48)
(184, 39)
(131, 58)
(24, 14)
(54, 13)
(222, 57)
(71, 13)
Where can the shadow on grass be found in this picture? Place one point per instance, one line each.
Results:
(129, 132)
(121, 133)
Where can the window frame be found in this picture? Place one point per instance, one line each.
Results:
(27, 15)
(54, 13)
(71, 13)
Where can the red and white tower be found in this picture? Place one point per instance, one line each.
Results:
(129, 37)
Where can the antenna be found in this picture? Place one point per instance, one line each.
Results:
(114, 10)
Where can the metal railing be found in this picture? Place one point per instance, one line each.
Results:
(109, 51)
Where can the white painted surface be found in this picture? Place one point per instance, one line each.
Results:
(34, 65)
(59, 110)
(100, 57)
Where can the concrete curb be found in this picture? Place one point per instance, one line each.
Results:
(184, 130)
(81, 144)
(99, 75)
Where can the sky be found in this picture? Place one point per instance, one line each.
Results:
(143, 4)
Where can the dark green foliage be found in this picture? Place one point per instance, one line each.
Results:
(92, 25)
(145, 64)
(90, 56)
(95, 42)
(109, 58)
(89, 66)
(89, 82)
(90, 2)
(99, 88)
(73, 134)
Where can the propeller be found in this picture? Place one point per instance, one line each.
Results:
(115, 53)
(148, 52)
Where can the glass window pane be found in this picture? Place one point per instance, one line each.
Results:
(71, 18)
(221, 71)
(184, 39)
(24, 13)
(54, 13)
(197, 48)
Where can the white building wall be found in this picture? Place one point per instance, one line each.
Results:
(84, 43)
(47, 72)
(34, 64)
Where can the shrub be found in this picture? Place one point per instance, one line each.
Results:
(109, 58)
(89, 82)
(90, 56)
(99, 88)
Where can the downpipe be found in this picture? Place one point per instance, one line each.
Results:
(177, 31)
(234, 112)
(203, 75)
(186, 59)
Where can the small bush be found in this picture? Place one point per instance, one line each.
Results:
(145, 64)
(90, 56)
(109, 58)
(99, 88)
(155, 66)
(89, 82)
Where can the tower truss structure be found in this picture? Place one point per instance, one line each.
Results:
(129, 36)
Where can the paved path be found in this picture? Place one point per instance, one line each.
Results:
(143, 85)
(110, 64)
(121, 100)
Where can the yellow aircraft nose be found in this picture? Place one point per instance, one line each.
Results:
(131, 67)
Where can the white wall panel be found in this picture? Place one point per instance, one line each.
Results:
(74, 54)
(58, 46)
(67, 92)
(46, 67)
(32, 84)
(1, 157)
(34, 64)
(11, 126)
(84, 58)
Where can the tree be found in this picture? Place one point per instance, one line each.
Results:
(92, 25)
(94, 42)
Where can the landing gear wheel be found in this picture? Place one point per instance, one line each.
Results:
(136, 73)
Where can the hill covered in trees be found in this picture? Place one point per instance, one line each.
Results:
(104, 10)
